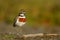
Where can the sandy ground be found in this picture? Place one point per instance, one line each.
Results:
(4, 28)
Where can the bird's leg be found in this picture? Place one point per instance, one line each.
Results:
(19, 31)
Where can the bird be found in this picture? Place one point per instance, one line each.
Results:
(20, 19)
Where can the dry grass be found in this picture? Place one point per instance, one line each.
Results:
(16, 37)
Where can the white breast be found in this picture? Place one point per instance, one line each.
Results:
(20, 23)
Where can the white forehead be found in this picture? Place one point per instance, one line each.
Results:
(22, 14)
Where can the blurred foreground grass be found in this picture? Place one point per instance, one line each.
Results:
(30, 37)
(9, 37)
(6, 37)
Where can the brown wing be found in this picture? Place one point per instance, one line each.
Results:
(15, 19)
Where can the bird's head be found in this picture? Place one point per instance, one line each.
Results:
(22, 12)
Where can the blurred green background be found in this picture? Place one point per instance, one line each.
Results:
(38, 12)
